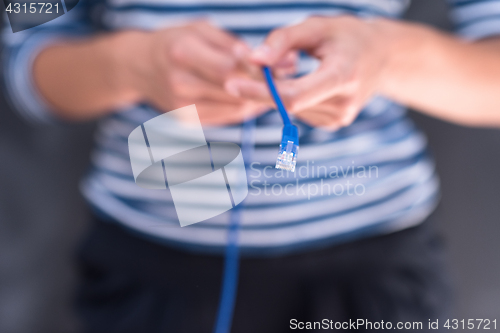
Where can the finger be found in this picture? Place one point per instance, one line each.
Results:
(305, 36)
(286, 66)
(325, 115)
(222, 39)
(290, 59)
(297, 94)
(312, 89)
(190, 86)
(195, 54)
(248, 89)
(215, 113)
(319, 119)
(231, 44)
(334, 113)
(284, 72)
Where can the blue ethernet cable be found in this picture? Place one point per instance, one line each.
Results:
(289, 147)
(227, 300)
(287, 159)
(231, 260)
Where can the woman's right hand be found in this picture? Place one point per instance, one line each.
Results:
(169, 68)
(184, 65)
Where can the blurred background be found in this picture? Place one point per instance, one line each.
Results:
(43, 217)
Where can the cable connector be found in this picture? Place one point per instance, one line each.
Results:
(289, 147)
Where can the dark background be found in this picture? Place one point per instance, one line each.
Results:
(42, 215)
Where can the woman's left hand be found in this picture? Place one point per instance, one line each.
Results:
(353, 56)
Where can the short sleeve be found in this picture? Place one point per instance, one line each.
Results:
(20, 50)
(476, 19)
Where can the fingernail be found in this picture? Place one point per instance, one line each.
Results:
(261, 53)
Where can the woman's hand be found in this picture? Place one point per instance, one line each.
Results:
(439, 74)
(354, 56)
(168, 68)
(185, 65)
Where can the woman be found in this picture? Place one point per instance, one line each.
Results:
(334, 253)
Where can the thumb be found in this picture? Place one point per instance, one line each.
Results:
(303, 36)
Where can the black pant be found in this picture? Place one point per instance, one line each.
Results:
(133, 285)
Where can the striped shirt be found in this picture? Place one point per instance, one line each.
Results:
(370, 178)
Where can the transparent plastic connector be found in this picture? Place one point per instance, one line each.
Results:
(287, 156)
(289, 147)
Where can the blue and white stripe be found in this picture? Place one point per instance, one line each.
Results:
(476, 19)
(401, 193)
